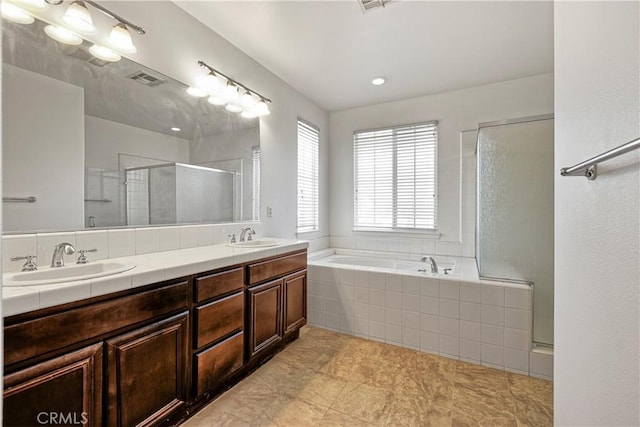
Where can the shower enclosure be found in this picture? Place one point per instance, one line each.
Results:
(515, 210)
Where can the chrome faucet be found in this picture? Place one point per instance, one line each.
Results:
(432, 263)
(248, 232)
(61, 249)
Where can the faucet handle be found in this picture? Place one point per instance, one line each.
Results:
(250, 232)
(82, 259)
(232, 238)
(30, 265)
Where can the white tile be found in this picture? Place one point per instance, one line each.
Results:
(411, 285)
(361, 278)
(394, 282)
(449, 289)
(411, 338)
(393, 316)
(46, 243)
(318, 318)
(377, 314)
(147, 240)
(517, 339)
(169, 238)
(109, 285)
(188, 237)
(428, 247)
(441, 248)
(205, 234)
(333, 322)
(541, 364)
(377, 330)
(17, 300)
(347, 324)
(470, 350)
(518, 298)
(429, 323)
(449, 308)
(493, 335)
(51, 295)
(19, 245)
(430, 287)
(344, 276)
(493, 295)
(393, 299)
(360, 310)
(470, 292)
(493, 315)
(410, 302)
(449, 345)
(516, 360)
(393, 334)
(122, 243)
(429, 305)
(448, 326)
(334, 306)
(493, 355)
(454, 249)
(345, 292)
(361, 295)
(470, 331)
(429, 342)
(377, 280)
(377, 297)
(411, 319)
(470, 311)
(517, 319)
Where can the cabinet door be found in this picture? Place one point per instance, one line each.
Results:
(66, 390)
(265, 316)
(147, 373)
(295, 302)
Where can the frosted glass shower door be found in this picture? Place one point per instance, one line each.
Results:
(515, 211)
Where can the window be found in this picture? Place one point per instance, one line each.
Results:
(308, 141)
(255, 207)
(395, 177)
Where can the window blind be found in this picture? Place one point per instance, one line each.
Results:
(256, 184)
(395, 177)
(308, 141)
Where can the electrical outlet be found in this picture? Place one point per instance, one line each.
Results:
(269, 212)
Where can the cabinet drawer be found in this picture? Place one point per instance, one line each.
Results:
(218, 362)
(217, 319)
(276, 267)
(219, 284)
(44, 334)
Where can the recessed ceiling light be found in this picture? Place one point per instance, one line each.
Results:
(377, 81)
(175, 129)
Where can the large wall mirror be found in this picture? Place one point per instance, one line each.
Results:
(114, 144)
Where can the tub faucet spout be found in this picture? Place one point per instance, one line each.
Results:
(432, 263)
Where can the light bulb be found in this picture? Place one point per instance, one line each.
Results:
(35, 5)
(63, 35)
(104, 53)
(78, 17)
(120, 39)
(261, 109)
(216, 100)
(233, 107)
(230, 93)
(15, 14)
(248, 101)
(198, 93)
(377, 81)
(212, 83)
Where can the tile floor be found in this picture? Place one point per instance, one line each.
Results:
(329, 379)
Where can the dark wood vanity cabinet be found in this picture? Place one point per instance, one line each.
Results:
(152, 355)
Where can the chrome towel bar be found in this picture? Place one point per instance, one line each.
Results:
(589, 168)
(29, 199)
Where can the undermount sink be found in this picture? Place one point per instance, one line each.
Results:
(250, 244)
(68, 273)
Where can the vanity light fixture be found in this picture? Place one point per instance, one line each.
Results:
(63, 35)
(235, 96)
(35, 5)
(14, 13)
(196, 92)
(120, 39)
(79, 18)
(378, 81)
(104, 53)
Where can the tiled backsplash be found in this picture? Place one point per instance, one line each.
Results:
(114, 243)
(407, 245)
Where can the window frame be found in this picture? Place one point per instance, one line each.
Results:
(315, 181)
(394, 228)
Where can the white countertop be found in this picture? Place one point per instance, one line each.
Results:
(150, 268)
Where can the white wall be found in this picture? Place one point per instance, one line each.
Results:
(597, 233)
(43, 136)
(455, 111)
(175, 41)
(105, 139)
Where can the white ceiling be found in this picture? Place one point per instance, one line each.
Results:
(330, 50)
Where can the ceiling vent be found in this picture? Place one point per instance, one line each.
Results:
(368, 5)
(146, 79)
